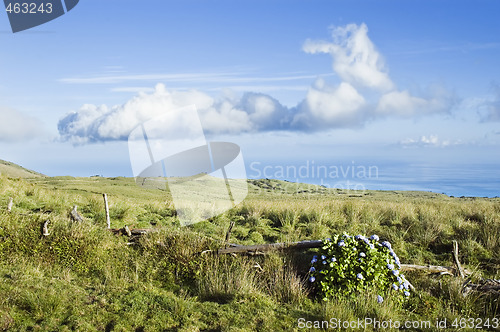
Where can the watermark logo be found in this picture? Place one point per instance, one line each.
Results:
(204, 178)
(26, 14)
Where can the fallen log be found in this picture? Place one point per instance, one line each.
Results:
(433, 269)
(130, 232)
(485, 286)
(261, 248)
(234, 248)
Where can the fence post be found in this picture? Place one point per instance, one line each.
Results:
(106, 206)
(10, 204)
(45, 228)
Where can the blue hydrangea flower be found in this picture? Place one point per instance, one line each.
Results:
(374, 237)
(312, 269)
(395, 287)
(406, 285)
(407, 293)
(371, 246)
(359, 260)
(334, 259)
(324, 262)
(362, 254)
(314, 260)
(341, 244)
(323, 257)
(390, 266)
(395, 272)
(400, 280)
(359, 276)
(387, 244)
(380, 299)
(312, 279)
(401, 287)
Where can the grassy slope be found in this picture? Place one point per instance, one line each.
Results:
(83, 278)
(15, 171)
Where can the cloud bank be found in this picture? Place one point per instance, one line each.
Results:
(18, 127)
(429, 141)
(492, 107)
(365, 92)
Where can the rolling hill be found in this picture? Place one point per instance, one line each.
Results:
(12, 170)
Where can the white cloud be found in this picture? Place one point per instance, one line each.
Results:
(229, 114)
(16, 126)
(490, 109)
(429, 141)
(332, 106)
(355, 58)
(402, 103)
(365, 92)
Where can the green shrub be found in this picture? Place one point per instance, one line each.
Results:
(347, 266)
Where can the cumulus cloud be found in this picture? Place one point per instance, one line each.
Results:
(355, 58)
(365, 92)
(16, 126)
(328, 106)
(228, 114)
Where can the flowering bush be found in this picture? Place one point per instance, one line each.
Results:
(346, 265)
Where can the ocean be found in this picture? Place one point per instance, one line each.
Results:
(473, 180)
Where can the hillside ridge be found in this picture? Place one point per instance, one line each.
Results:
(13, 170)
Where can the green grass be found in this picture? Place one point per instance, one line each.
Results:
(85, 278)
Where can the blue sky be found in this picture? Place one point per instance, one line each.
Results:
(334, 81)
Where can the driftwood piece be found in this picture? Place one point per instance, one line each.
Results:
(10, 204)
(457, 261)
(45, 228)
(75, 216)
(106, 207)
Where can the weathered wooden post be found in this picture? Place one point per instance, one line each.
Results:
(45, 228)
(106, 206)
(75, 216)
(228, 234)
(457, 261)
(10, 204)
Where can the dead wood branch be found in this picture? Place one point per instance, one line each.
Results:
(456, 260)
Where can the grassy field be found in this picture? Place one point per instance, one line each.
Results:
(82, 277)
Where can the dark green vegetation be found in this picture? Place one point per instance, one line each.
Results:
(82, 277)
